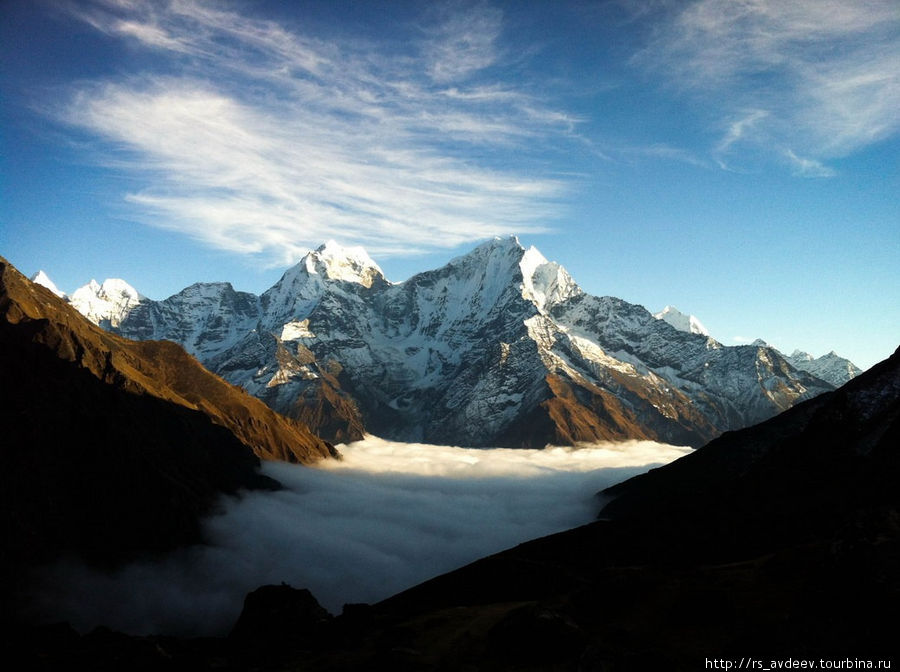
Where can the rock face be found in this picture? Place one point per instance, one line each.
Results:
(114, 448)
(499, 347)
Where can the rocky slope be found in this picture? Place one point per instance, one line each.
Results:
(114, 448)
(498, 347)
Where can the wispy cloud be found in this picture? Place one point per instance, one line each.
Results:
(666, 152)
(808, 167)
(267, 141)
(462, 42)
(738, 130)
(821, 76)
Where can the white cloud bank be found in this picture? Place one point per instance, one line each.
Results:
(385, 518)
(256, 138)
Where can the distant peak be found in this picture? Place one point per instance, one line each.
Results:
(349, 264)
(42, 279)
(681, 321)
(110, 301)
(112, 288)
(759, 343)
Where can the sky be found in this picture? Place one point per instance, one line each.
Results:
(737, 159)
(387, 517)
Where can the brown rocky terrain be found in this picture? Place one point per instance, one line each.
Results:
(157, 368)
(111, 448)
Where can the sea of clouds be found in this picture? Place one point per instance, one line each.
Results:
(386, 517)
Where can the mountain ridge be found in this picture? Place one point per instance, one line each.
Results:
(496, 341)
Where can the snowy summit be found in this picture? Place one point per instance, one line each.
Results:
(106, 303)
(682, 322)
(42, 279)
(350, 264)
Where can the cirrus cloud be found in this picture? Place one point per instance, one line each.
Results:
(805, 81)
(267, 141)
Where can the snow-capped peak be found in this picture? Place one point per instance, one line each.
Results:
(350, 264)
(109, 302)
(545, 282)
(502, 260)
(42, 279)
(496, 247)
(681, 321)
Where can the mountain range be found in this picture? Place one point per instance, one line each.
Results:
(500, 347)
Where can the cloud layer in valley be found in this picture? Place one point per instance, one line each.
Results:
(385, 518)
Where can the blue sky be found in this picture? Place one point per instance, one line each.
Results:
(738, 159)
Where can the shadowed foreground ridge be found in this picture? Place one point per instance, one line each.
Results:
(111, 448)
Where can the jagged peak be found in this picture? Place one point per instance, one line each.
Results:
(109, 302)
(682, 321)
(42, 279)
(546, 283)
(337, 262)
(505, 245)
(112, 288)
(504, 259)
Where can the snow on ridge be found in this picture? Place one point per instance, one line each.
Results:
(350, 264)
(109, 302)
(830, 367)
(545, 282)
(485, 309)
(681, 321)
(42, 279)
